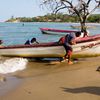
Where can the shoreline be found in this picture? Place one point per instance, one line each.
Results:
(42, 81)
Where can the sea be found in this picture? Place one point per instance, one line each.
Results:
(19, 33)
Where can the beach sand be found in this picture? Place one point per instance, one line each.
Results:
(45, 81)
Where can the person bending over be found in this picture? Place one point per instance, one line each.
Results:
(67, 41)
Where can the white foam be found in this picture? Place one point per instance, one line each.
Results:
(12, 65)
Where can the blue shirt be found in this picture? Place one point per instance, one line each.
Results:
(69, 38)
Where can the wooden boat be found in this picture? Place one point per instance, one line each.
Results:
(36, 50)
(88, 46)
(79, 27)
(56, 31)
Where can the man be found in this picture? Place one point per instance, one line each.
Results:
(1, 42)
(67, 41)
(33, 41)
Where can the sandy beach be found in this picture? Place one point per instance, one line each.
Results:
(45, 81)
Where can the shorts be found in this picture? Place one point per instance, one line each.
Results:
(68, 48)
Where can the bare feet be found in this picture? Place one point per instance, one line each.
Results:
(70, 62)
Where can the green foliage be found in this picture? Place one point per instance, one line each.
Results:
(55, 18)
(94, 18)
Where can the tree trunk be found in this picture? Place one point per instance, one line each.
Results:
(83, 26)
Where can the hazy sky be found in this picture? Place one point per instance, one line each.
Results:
(20, 8)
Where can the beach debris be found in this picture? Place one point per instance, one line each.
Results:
(2, 79)
(29, 92)
(98, 69)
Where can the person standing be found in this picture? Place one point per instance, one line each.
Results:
(67, 41)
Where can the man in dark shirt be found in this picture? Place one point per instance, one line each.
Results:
(33, 41)
(1, 42)
(67, 41)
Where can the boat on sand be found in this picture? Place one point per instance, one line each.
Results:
(88, 46)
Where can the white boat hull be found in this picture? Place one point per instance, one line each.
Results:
(55, 51)
(87, 49)
(53, 33)
(83, 49)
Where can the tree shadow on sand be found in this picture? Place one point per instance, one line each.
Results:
(92, 90)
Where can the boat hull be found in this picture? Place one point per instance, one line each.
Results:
(91, 48)
(87, 49)
(88, 46)
(33, 51)
(56, 31)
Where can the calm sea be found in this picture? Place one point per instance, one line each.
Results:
(18, 33)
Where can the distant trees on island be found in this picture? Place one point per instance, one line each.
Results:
(94, 18)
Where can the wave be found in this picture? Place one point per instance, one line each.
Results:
(11, 65)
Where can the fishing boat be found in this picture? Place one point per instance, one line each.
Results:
(88, 46)
(56, 31)
(36, 50)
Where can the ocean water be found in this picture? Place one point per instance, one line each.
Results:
(18, 33)
(10, 65)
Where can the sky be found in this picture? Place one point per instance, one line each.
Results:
(20, 8)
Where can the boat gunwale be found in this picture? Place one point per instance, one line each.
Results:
(57, 30)
(52, 44)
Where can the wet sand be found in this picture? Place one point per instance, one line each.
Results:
(45, 81)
